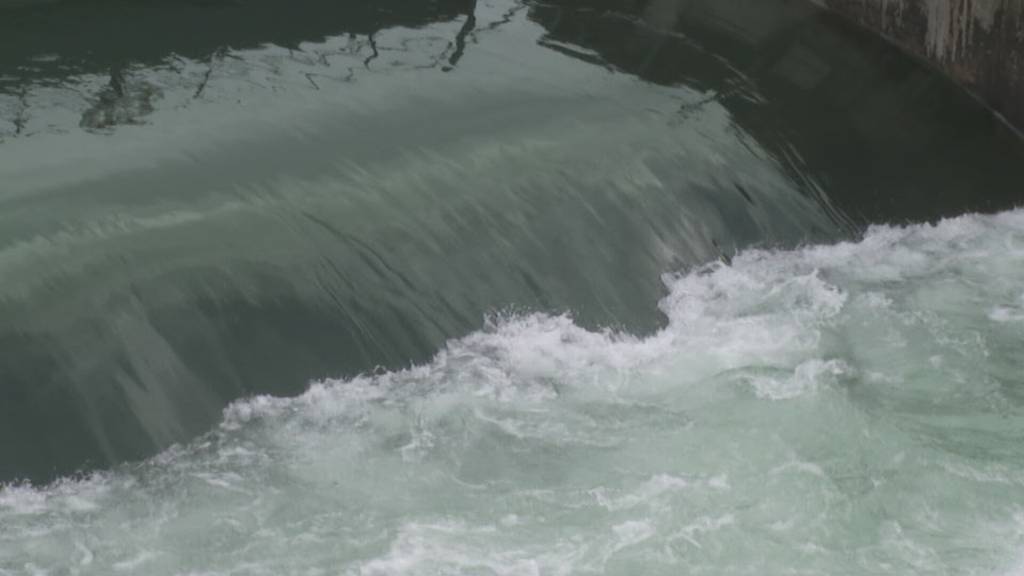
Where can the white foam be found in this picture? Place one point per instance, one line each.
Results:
(632, 532)
(772, 414)
(806, 379)
(447, 548)
(134, 562)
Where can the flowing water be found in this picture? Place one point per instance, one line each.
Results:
(461, 287)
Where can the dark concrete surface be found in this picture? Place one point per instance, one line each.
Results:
(980, 43)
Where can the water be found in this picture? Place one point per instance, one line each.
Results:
(847, 409)
(502, 288)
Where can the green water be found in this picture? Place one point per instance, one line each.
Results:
(851, 409)
(500, 288)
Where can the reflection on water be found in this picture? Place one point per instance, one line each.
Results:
(209, 200)
(111, 62)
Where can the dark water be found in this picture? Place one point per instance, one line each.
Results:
(205, 201)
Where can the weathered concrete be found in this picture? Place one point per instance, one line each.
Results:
(980, 43)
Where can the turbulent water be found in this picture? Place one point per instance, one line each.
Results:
(847, 409)
(500, 287)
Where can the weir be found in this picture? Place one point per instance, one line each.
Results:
(146, 175)
(510, 287)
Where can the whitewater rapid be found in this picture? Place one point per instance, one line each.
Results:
(838, 409)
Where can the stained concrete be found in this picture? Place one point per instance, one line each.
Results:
(980, 43)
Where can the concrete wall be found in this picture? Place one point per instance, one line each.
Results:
(980, 43)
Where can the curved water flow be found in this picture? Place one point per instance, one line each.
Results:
(581, 286)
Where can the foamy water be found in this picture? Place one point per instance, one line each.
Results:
(844, 409)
